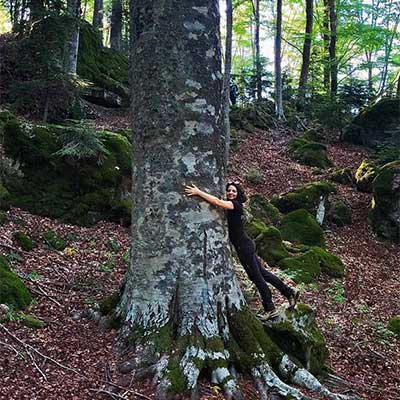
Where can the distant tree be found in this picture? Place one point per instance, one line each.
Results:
(278, 61)
(72, 44)
(116, 25)
(98, 17)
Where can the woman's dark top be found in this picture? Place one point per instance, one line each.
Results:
(237, 235)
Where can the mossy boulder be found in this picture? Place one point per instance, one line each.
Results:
(297, 334)
(262, 209)
(23, 241)
(330, 264)
(385, 212)
(258, 114)
(394, 325)
(340, 214)
(3, 217)
(309, 153)
(13, 292)
(269, 244)
(364, 176)
(80, 190)
(302, 268)
(376, 124)
(306, 197)
(300, 227)
(54, 241)
(343, 176)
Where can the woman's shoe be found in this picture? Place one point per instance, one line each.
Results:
(293, 299)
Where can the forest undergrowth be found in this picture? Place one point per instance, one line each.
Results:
(352, 312)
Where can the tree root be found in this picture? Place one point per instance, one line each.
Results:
(181, 360)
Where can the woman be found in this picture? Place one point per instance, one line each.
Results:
(245, 247)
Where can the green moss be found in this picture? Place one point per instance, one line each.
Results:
(31, 321)
(330, 264)
(340, 214)
(306, 196)
(54, 241)
(121, 148)
(13, 292)
(176, 377)
(309, 153)
(365, 175)
(394, 325)
(300, 227)
(3, 217)
(270, 247)
(262, 209)
(23, 241)
(302, 268)
(383, 183)
(343, 176)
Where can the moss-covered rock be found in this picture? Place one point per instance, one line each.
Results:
(365, 175)
(297, 334)
(77, 190)
(309, 153)
(262, 209)
(307, 197)
(343, 176)
(253, 115)
(54, 241)
(385, 212)
(394, 325)
(270, 246)
(376, 124)
(330, 264)
(340, 214)
(303, 267)
(3, 217)
(13, 292)
(300, 227)
(23, 241)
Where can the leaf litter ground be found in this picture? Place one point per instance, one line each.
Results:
(352, 313)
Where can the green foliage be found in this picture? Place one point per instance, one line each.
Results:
(54, 241)
(337, 292)
(23, 241)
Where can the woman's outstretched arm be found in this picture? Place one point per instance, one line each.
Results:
(209, 198)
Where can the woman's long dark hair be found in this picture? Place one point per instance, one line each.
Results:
(241, 195)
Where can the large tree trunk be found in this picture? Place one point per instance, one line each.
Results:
(305, 66)
(181, 307)
(98, 17)
(116, 25)
(72, 45)
(227, 74)
(332, 48)
(278, 59)
(256, 12)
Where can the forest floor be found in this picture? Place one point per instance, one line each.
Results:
(352, 313)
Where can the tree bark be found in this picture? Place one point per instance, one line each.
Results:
(181, 307)
(227, 74)
(332, 48)
(98, 17)
(72, 45)
(256, 12)
(278, 68)
(305, 66)
(36, 10)
(116, 25)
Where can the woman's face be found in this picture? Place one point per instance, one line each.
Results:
(231, 192)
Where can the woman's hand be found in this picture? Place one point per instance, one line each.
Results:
(192, 190)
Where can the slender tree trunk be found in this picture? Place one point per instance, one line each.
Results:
(278, 68)
(256, 12)
(326, 36)
(72, 45)
(332, 48)
(36, 10)
(116, 25)
(98, 17)
(227, 74)
(305, 66)
(398, 85)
